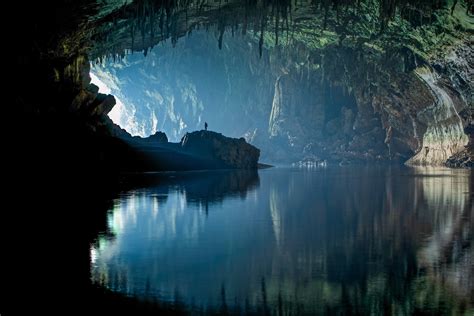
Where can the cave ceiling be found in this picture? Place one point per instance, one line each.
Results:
(120, 27)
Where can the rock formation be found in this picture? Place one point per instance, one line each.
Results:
(444, 135)
(234, 153)
(197, 150)
(157, 138)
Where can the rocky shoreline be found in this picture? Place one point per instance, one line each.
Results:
(196, 150)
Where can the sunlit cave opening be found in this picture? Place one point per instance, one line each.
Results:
(176, 88)
(281, 101)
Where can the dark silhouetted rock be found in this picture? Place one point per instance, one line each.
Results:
(103, 104)
(232, 152)
(158, 137)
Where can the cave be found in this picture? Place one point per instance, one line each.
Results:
(243, 157)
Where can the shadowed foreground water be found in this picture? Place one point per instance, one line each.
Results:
(294, 241)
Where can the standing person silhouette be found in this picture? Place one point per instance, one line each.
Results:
(205, 126)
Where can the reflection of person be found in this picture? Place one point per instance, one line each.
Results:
(205, 126)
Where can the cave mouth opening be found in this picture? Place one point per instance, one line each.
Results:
(176, 87)
(279, 101)
(322, 92)
(368, 58)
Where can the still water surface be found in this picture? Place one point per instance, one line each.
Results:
(295, 241)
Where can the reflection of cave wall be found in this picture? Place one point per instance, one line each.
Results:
(425, 237)
(393, 238)
(447, 255)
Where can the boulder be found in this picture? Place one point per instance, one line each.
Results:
(232, 152)
(158, 137)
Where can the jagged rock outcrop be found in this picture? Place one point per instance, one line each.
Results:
(197, 150)
(158, 138)
(233, 153)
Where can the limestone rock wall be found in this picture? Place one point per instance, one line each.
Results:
(444, 135)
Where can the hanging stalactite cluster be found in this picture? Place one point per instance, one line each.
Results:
(144, 23)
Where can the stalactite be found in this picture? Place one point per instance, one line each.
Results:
(277, 19)
(152, 25)
(326, 13)
(336, 15)
(260, 41)
(221, 36)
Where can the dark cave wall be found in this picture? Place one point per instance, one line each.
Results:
(64, 133)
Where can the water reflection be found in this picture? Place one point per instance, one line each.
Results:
(290, 241)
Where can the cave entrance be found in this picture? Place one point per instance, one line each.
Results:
(278, 101)
(177, 87)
